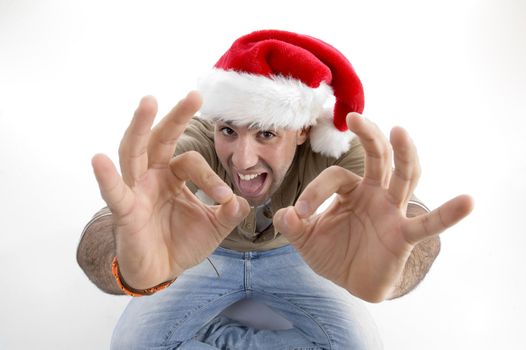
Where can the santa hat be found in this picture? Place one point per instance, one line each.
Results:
(279, 79)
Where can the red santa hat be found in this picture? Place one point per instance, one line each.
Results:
(279, 79)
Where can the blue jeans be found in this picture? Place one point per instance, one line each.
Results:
(187, 314)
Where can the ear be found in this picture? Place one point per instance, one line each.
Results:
(302, 135)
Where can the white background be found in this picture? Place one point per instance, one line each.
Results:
(452, 72)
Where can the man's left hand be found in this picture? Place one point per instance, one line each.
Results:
(364, 238)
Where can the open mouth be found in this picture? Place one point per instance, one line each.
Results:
(251, 185)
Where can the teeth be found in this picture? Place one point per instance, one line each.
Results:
(247, 177)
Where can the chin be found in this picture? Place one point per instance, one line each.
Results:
(255, 201)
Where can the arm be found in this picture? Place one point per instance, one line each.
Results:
(365, 241)
(97, 247)
(419, 262)
(96, 251)
(158, 228)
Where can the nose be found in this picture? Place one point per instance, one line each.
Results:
(245, 154)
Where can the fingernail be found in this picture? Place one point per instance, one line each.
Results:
(146, 98)
(284, 222)
(302, 208)
(223, 192)
(237, 207)
(351, 115)
(240, 208)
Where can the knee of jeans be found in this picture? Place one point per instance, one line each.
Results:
(140, 341)
(121, 340)
(131, 336)
(120, 343)
(359, 339)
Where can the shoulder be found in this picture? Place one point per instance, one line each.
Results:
(198, 136)
(199, 129)
(354, 158)
(311, 163)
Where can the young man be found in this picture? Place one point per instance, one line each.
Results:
(267, 152)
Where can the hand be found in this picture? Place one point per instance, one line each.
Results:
(161, 228)
(363, 240)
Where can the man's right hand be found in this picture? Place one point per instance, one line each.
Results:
(161, 228)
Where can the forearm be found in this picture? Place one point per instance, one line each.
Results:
(420, 260)
(96, 251)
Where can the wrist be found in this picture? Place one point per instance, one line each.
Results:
(132, 291)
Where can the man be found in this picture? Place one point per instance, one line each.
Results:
(267, 152)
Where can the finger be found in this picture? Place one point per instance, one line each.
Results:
(332, 180)
(287, 222)
(133, 155)
(192, 166)
(407, 168)
(114, 191)
(231, 213)
(378, 153)
(165, 135)
(447, 215)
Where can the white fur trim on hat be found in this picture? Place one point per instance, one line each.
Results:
(249, 99)
(327, 140)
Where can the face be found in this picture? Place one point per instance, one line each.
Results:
(256, 159)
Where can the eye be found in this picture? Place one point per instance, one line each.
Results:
(267, 135)
(225, 130)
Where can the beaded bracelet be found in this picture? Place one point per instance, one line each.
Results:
(132, 291)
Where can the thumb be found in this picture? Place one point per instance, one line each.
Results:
(232, 212)
(289, 224)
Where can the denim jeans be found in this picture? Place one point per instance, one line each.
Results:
(187, 315)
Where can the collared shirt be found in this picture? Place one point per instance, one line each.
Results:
(199, 136)
(307, 165)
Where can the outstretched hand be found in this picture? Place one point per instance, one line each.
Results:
(161, 228)
(363, 240)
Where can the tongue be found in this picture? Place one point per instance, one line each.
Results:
(253, 186)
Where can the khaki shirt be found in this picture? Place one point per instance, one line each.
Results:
(199, 136)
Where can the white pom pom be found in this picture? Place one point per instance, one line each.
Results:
(327, 140)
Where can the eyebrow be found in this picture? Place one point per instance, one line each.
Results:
(254, 127)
